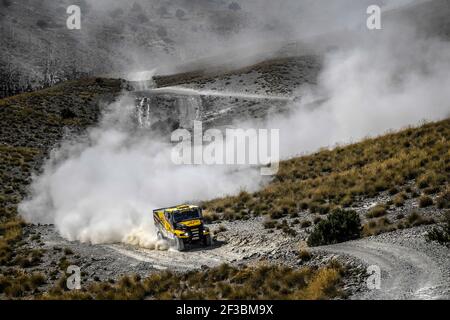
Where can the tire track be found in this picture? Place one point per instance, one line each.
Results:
(406, 273)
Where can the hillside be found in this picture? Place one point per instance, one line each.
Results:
(87, 150)
(31, 124)
(411, 164)
(395, 181)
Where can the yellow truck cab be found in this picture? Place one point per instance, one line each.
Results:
(181, 225)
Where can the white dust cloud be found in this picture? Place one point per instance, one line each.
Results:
(103, 189)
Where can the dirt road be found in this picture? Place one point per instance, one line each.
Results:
(410, 267)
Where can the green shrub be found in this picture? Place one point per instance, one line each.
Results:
(340, 226)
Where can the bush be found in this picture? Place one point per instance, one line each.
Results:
(443, 201)
(180, 14)
(425, 201)
(263, 282)
(277, 214)
(289, 231)
(399, 199)
(303, 205)
(393, 191)
(304, 255)
(415, 219)
(66, 113)
(221, 228)
(305, 224)
(323, 210)
(269, 224)
(377, 211)
(42, 24)
(344, 175)
(18, 284)
(142, 18)
(6, 3)
(441, 234)
(209, 216)
(340, 226)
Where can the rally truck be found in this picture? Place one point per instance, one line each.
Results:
(181, 225)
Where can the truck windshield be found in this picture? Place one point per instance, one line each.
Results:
(186, 215)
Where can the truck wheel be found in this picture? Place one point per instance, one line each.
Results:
(207, 241)
(180, 244)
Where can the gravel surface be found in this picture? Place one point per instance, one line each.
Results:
(411, 268)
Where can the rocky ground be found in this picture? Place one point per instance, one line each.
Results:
(411, 268)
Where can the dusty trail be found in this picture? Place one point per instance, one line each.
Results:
(241, 241)
(214, 93)
(174, 260)
(410, 268)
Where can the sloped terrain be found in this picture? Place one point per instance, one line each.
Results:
(395, 185)
(38, 50)
(410, 267)
(242, 234)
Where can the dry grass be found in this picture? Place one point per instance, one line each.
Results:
(30, 124)
(381, 225)
(441, 234)
(17, 284)
(377, 211)
(223, 282)
(322, 286)
(10, 235)
(339, 177)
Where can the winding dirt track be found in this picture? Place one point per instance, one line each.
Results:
(242, 240)
(406, 273)
(174, 260)
(411, 268)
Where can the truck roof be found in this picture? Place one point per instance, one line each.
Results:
(183, 207)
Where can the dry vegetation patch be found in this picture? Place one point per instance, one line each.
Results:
(223, 282)
(338, 178)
